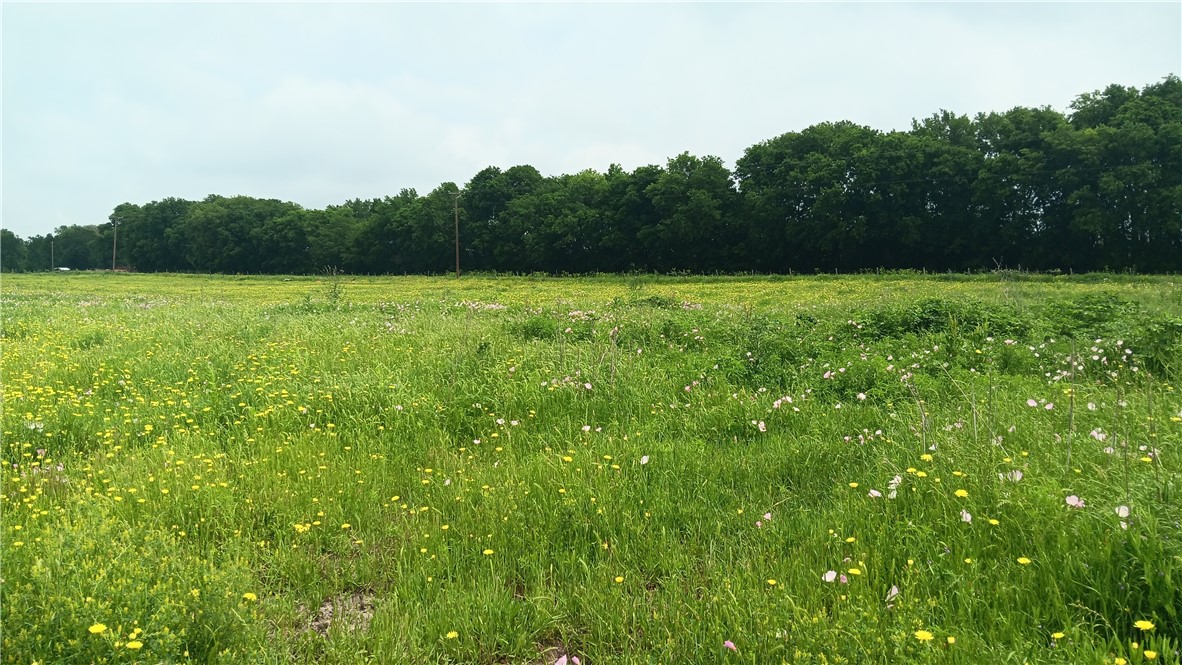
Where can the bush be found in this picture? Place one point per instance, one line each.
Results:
(935, 315)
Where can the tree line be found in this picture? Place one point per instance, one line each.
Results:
(1099, 188)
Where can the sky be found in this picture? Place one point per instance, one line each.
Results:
(105, 103)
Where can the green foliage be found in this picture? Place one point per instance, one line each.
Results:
(1089, 315)
(1023, 189)
(628, 470)
(189, 606)
(1158, 341)
(537, 327)
(656, 301)
(941, 315)
(13, 252)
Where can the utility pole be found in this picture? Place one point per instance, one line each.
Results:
(51, 253)
(114, 242)
(456, 198)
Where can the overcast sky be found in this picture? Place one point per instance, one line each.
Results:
(320, 103)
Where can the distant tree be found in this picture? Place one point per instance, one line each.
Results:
(284, 244)
(695, 202)
(38, 252)
(1092, 109)
(486, 244)
(1100, 188)
(940, 191)
(425, 228)
(148, 239)
(381, 233)
(1014, 193)
(629, 211)
(331, 237)
(230, 235)
(1135, 194)
(576, 234)
(78, 247)
(898, 194)
(13, 252)
(806, 197)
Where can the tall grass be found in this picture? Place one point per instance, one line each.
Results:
(812, 470)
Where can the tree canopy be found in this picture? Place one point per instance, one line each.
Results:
(1099, 188)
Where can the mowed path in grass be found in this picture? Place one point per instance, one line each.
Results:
(623, 469)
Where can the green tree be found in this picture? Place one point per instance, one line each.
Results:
(382, 233)
(1014, 194)
(13, 252)
(940, 189)
(424, 233)
(228, 235)
(802, 189)
(1137, 192)
(695, 201)
(147, 241)
(628, 211)
(1092, 109)
(331, 237)
(1028, 187)
(286, 243)
(39, 253)
(897, 196)
(555, 226)
(486, 244)
(79, 248)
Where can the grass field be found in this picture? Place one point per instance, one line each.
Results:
(896, 468)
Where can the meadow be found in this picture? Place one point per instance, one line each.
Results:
(822, 469)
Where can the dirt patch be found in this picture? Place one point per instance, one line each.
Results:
(550, 652)
(351, 613)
